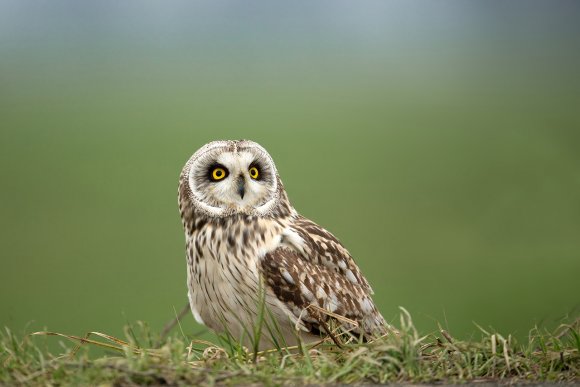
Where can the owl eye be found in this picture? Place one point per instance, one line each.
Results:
(218, 173)
(254, 173)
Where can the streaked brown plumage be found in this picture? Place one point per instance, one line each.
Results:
(243, 236)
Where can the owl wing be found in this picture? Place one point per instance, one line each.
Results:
(319, 245)
(311, 267)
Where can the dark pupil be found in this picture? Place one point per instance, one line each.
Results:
(219, 173)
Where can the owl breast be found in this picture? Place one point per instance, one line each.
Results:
(223, 275)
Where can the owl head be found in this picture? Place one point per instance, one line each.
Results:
(229, 177)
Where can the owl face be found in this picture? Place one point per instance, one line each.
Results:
(228, 177)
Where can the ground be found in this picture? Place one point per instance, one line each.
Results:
(144, 358)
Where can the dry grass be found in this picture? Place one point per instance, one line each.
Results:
(405, 357)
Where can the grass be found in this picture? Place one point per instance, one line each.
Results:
(406, 357)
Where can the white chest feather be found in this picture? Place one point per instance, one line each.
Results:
(223, 272)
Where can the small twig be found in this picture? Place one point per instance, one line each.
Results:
(447, 336)
(329, 333)
(333, 315)
(171, 324)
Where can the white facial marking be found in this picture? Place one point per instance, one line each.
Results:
(227, 190)
(225, 197)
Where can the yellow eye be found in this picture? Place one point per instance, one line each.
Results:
(254, 174)
(218, 173)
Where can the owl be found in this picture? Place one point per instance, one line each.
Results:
(250, 255)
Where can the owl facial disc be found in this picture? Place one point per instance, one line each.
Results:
(231, 177)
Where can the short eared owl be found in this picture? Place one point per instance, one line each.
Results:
(244, 238)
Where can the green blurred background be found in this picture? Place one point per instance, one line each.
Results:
(440, 141)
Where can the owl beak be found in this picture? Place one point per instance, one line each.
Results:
(242, 187)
